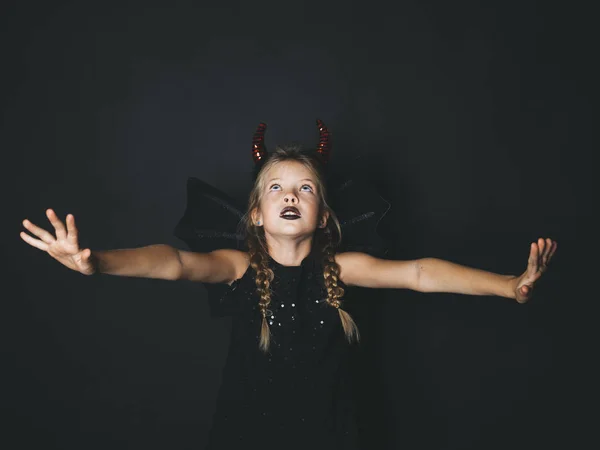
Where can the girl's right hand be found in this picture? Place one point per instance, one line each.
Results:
(64, 247)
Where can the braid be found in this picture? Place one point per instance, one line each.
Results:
(264, 276)
(327, 240)
(331, 273)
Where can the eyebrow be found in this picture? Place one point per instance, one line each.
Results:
(303, 179)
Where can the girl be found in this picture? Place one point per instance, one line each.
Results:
(286, 381)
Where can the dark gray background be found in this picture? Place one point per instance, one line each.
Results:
(473, 118)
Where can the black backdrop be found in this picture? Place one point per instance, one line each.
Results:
(473, 119)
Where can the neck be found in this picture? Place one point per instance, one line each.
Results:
(289, 252)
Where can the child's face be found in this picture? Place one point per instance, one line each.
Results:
(289, 184)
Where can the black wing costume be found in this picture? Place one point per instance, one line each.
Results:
(298, 395)
(212, 218)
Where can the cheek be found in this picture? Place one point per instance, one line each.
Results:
(271, 211)
(314, 212)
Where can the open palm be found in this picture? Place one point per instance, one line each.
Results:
(540, 254)
(64, 247)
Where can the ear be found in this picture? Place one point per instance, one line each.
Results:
(256, 217)
(324, 219)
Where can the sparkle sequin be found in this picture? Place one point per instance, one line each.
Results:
(285, 390)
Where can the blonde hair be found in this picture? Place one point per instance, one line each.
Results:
(326, 239)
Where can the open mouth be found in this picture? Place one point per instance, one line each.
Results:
(290, 213)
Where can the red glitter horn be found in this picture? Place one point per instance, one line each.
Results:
(324, 148)
(259, 153)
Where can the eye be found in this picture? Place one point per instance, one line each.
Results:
(307, 186)
(274, 185)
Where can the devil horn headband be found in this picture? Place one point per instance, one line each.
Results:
(324, 148)
(260, 153)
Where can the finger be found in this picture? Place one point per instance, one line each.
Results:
(553, 250)
(33, 242)
(72, 232)
(542, 249)
(525, 292)
(546, 252)
(81, 257)
(39, 232)
(541, 245)
(84, 261)
(61, 232)
(532, 266)
(85, 254)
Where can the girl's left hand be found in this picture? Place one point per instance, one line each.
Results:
(539, 256)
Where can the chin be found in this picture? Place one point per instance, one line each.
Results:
(292, 230)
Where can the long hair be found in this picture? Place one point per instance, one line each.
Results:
(326, 241)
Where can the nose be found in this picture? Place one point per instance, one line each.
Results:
(290, 198)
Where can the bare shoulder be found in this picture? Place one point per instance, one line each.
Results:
(352, 264)
(353, 258)
(362, 269)
(238, 259)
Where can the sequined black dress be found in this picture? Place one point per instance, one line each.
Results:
(299, 396)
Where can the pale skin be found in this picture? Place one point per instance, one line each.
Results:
(289, 242)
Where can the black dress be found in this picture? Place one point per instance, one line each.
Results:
(299, 395)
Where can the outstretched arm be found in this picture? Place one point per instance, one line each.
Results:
(168, 263)
(153, 261)
(437, 275)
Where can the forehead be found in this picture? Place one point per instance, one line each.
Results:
(289, 170)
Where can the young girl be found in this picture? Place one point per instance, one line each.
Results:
(286, 381)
